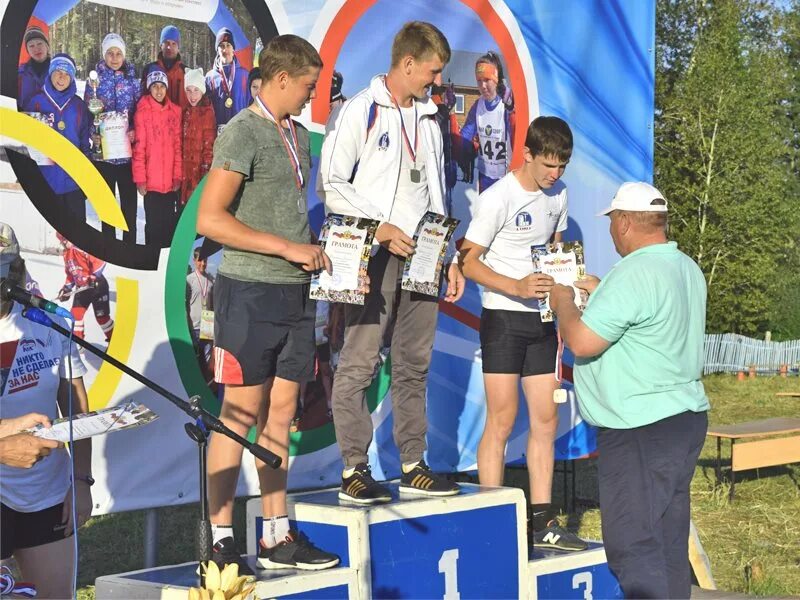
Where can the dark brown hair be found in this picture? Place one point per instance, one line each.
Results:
(549, 136)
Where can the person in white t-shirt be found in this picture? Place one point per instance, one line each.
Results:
(37, 369)
(524, 208)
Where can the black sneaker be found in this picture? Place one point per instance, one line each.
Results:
(361, 488)
(422, 481)
(224, 553)
(296, 552)
(556, 537)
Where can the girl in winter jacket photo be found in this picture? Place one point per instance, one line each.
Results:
(199, 133)
(118, 89)
(158, 159)
(65, 112)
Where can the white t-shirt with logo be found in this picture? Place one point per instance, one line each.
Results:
(508, 220)
(32, 362)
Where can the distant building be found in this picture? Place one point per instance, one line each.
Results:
(461, 72)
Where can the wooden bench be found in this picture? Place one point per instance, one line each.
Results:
(759, 452)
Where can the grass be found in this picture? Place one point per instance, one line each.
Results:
(753, 543)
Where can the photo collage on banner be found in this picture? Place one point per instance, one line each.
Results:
(116, 108)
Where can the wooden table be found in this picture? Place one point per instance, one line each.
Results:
(763, 450)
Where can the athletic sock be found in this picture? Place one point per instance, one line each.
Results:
(275, 530)
(408, 467)
(541, 515)
(220, 532)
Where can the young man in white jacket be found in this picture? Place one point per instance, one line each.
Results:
(382, 158)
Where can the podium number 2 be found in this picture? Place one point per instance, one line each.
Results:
(448, 565)
(582, 579)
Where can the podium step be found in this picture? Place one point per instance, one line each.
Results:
(173, 583)
(557, 574)
(472, 545)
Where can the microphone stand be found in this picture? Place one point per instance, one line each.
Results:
(198, 431)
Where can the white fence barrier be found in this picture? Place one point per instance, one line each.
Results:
(730, 353)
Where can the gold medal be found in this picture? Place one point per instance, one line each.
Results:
(228, 102)
(62, 126)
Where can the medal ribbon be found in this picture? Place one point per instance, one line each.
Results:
(411, 152)
(291, 147)
(60, 109)
(225, 83)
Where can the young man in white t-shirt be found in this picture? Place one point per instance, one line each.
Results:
(526, 207)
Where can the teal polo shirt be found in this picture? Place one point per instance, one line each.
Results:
(651, 308)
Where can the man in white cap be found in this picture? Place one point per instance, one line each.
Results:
(639, 359)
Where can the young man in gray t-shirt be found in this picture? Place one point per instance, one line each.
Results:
(254, 204)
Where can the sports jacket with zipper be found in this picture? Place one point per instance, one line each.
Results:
(361, 155)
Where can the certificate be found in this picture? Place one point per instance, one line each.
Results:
(564, 262)
(99, 422)
(114, 138)
(41, 159)
(347, 241)
(423, 269)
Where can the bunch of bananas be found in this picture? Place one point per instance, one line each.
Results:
(227, 585)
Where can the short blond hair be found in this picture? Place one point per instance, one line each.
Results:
(288, 53)
(419, 40)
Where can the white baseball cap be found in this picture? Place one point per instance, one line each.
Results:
(9, 249)
(636, 196)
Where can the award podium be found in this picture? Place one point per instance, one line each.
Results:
(473, 545)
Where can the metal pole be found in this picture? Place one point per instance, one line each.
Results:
(151, 538)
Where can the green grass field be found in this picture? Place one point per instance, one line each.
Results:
(758, 534)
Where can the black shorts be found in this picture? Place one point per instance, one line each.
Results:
(262, 330)
(517, 342)
(95, 296)
(27, 530)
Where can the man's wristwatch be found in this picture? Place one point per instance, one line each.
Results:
(87, 479)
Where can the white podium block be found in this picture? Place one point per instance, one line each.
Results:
(472, 545)
(173, 583)
(556, 574)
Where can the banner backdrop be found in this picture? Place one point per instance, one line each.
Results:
(588, 62)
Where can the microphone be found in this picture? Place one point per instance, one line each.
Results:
(37, 316)
(10, 291)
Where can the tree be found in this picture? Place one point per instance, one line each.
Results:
(722, 157)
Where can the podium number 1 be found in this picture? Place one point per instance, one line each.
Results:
(448, 565)
(582, 579)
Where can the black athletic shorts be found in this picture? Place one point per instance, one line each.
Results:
(262, 330)
(27, 530)
(97, 296)
(517, 342)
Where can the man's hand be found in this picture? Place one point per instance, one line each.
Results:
(560, 295)
(394, 240)
(24, 450)
(176, 185)
(588, 284)
(310, 257)
(83, 503)
(455, 283)
(63, 294)
(142, 189)
(131, 136)
(535, 285)
(17, 424)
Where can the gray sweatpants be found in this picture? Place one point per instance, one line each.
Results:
(414, 318)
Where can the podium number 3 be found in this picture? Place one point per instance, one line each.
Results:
(448, 565)
(578, 580)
